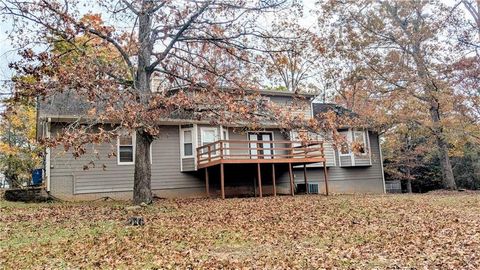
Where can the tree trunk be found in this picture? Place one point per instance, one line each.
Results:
(142, 191)
(431, 90)
(409, 181)
(409, 185)
(446, 166)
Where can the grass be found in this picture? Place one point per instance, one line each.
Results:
(391, 231)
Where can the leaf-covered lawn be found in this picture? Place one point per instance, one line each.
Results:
(421, 231)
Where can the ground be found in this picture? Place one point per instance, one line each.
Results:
(305, 232)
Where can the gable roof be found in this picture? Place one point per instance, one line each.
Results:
(338, 109)
(264, 92)
(70, 105)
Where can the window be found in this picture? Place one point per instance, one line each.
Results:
(344, 144)
(359, 146)
(126, 149)
(186, 142)
(208, 135)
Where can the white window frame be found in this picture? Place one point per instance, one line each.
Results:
(182, 142)
(366, 145)
(264, 131)
(202, 142)
(134, 137)
(350, 138)
(203, 129)
(225, 136)
(349, 141)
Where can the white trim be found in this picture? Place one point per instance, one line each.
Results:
(222, 137)
(195, 145)
(48, 155)
(365, 142)
(151, 150)
(134, 142)
(369, 146)
(381, 163)
(349, 154)
(182, 142)
(265, 131)
(181, 146)
(334, 154)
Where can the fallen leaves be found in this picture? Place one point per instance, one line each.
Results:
(422, 231)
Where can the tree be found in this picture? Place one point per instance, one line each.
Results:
(194, 44)
(19, 152)
(294, 60)
(401, 53)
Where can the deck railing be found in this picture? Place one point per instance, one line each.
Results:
(249, 151)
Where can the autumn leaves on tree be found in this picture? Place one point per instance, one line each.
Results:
(402, 56)
(195, 45)
(396, 64)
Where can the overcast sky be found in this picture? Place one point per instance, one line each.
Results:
(8, 54)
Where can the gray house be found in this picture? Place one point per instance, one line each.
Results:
(192, 158)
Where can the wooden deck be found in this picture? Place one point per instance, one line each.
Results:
(260, 152)
(264, 152)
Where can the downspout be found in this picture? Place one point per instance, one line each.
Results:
(381, 164)
(48, 155)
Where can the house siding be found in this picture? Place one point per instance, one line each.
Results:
(302, 106)
(69, 178)
(367, 179)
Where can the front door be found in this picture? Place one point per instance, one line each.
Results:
(262, 147)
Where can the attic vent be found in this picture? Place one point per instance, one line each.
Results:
(313, 188)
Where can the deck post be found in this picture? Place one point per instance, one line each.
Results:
(259, 181)
(221, 149)
(326, 177)
(305, 178)
(207, 185)
(222, 180)
(274, 180)
(290, 173)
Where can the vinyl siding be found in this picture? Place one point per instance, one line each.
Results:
(330, 156)
(68, 175)
(188, 164)
(302, 106)
(345, 161)
(366, 179)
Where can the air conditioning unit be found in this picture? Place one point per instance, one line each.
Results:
(313, 188)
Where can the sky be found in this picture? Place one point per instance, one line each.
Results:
(8, 54)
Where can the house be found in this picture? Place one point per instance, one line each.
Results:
(194, 158)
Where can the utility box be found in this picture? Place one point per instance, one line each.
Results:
(37, 177)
